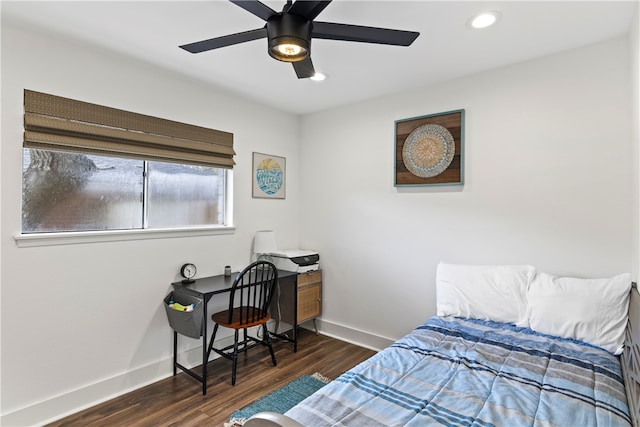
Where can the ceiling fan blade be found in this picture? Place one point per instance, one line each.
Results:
(357, 33)
(304, 69)
(308, 9)
(223, 41)
(260, 10)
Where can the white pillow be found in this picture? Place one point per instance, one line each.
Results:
(590, 310)
(488, 292)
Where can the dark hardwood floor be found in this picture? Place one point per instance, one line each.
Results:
(178, 401)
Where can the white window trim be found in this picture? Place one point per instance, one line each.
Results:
(78, 237)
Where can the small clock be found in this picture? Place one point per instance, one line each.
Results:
(188, 271)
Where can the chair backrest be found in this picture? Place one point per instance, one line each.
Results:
(252, 291)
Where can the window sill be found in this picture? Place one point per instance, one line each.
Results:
(74, 238)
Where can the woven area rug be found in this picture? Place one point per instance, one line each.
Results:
(281, 400)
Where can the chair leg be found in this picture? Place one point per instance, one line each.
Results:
(267, 338)
(234, 358)
(213, 337)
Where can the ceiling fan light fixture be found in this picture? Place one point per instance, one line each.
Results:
(289, 37)
(288, 48)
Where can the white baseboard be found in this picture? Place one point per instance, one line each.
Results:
(354, 336)
(53, 409)
(60, 406)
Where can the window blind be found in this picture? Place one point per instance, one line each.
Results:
(55, 123)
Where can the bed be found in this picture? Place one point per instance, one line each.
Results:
(475, 364)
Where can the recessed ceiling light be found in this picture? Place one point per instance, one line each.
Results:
(484, 20)
(318, 77)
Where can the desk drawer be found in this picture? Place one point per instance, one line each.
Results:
(309, 278)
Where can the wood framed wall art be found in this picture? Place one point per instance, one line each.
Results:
(269, 176)
(430, 150)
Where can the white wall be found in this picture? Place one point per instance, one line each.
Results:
(548, 182)
(82, 322)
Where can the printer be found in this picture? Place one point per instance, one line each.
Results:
(297, 260)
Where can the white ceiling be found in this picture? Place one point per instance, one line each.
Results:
(151, 31)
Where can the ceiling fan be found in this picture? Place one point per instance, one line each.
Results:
(289, 33)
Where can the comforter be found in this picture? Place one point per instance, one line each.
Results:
(461, 372)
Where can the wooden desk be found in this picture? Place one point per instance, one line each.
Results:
(205, 288)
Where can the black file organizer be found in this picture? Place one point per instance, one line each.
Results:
(188, 323)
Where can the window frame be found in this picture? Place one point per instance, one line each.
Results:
(56, 123)
(78, 237)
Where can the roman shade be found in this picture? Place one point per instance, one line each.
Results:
(55, 123)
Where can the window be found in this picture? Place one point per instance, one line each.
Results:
(65, 191)
(184, 195)
(89, 167)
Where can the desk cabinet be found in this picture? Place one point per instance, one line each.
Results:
(297, 301)
(309, 295)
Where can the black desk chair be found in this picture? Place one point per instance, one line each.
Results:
(249, 301)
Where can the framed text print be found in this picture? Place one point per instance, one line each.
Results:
(269, 176)
(430, 150)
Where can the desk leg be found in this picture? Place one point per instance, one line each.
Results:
(295, 316)
(175, 353)
(204, 349)
(295, 338)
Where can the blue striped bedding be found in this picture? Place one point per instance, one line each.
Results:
(459, 372)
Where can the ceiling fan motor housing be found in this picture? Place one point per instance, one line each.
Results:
(289, 29)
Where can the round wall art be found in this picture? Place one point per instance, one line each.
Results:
(269, 176)
(428, 150)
